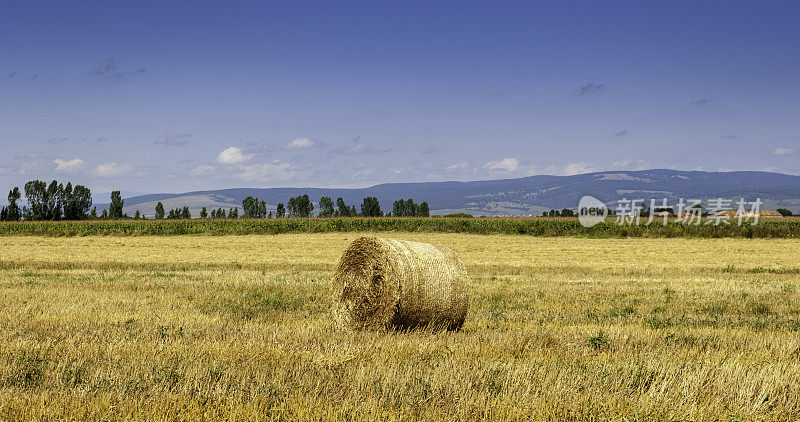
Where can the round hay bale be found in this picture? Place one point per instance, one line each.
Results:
(384, 282)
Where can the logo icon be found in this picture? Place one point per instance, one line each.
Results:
(591, 211)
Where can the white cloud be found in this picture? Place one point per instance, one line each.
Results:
(202, 170)
(233, 155)
(64, 166)
(579, 167)
(302, 143)
(506, 164)
(784, 152)
(111, 169)
(264, 172)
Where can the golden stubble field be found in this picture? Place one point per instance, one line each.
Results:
(238, 327)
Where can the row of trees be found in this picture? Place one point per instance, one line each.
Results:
(341, 209)
(566, 212)
(220, 213)
(301, 206)
(408, 208)
(179, 213)
(184, 212)
(50, 202)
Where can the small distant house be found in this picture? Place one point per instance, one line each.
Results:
(769, 213)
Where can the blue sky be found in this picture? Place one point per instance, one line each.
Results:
(178, 96)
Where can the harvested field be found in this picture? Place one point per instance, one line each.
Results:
(239, 327)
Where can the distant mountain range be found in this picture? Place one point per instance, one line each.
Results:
(523, 196)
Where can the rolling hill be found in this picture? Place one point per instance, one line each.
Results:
(522, 196)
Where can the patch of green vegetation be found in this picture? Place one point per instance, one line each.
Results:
(26, 369)
(600, 341)
(249, 303)
(758, 308)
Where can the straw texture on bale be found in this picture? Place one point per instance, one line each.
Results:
(384, 283)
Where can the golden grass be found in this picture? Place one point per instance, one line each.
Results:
(238, 327)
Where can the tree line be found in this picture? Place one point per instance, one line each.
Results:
(301, 206)
(297, 206)
(566, 212)
(52, 201)
(56, 201)
(178, 213)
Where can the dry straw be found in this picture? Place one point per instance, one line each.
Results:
(384, 283)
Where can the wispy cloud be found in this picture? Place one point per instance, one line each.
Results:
(202, 170)
(36, 76)
(625, 132)
(729, 137)
(10, 75)
(111, 169)
(259, 148)
(784, 152)
(110, 68)
(264, 172)
(107, 67)
(302, 143)
(64, 166)
(26, 168)
(56, 141)
(34, 156)
(591, 88)
(180, 140)
(360, 146)
(431, 150)
(458, 166)
(703, 101)
(233, 155)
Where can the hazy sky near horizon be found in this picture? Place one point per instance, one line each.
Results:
(175, 96)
